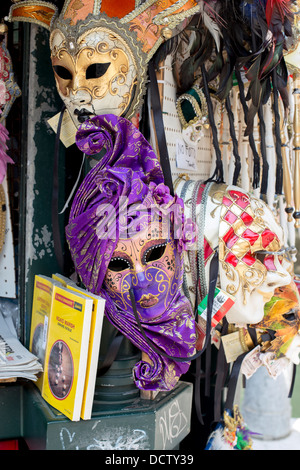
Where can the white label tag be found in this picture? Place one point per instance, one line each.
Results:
(232, 346)
(252, 362)
(274, 366)
(185, 156)
(68, 128)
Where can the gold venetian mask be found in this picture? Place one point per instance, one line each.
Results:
(95, 74)
(100, 50)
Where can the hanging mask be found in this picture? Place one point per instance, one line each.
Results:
(9, 89)
(251, 255)
(252, 261)
(126, 231)
(193, 115)
(148, 260)
(100, 49)
(282, 316)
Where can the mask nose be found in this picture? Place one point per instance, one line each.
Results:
(280, 277)
(142, 281)
(80, 97)
(140, 277)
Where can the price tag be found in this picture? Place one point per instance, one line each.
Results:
(185, 156)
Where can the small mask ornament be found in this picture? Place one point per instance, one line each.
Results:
(193, 115)
(231, 433)
(100, 48)
(126, 232)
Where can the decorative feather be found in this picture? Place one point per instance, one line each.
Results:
(217, 441)
(201, 50)
(275, 8)
(279, 19)
(211, 19)
(164, 50)
(206, 37)
(254, 12)
(236, 42)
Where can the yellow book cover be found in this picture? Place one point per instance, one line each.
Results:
(94, 348)
(41, 309)
(67, 351)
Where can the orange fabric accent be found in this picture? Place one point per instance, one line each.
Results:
(38, 12)
(79, 10)
(117, 8)
(148, 33)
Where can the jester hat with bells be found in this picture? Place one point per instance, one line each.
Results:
(100, 49)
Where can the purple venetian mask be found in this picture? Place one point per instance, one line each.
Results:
(149, 263)
(126, 232)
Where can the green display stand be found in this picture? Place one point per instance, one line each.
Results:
(159, 424)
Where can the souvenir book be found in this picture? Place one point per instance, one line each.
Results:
(66, 351)
(41, 310)
(94, 345)
(93, 353)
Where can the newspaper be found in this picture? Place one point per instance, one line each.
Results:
(15, 359)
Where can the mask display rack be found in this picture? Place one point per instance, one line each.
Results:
(7, 259)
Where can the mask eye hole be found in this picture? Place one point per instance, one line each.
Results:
(96, 70)
(154, 253)
(62, 72)
(260, 257)
(118, 265)
(290, 316)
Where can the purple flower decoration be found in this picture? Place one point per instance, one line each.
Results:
(189, 236)
(161, 195)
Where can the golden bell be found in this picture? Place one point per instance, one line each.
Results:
(166, 33)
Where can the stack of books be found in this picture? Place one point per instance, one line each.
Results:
(66, 328)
